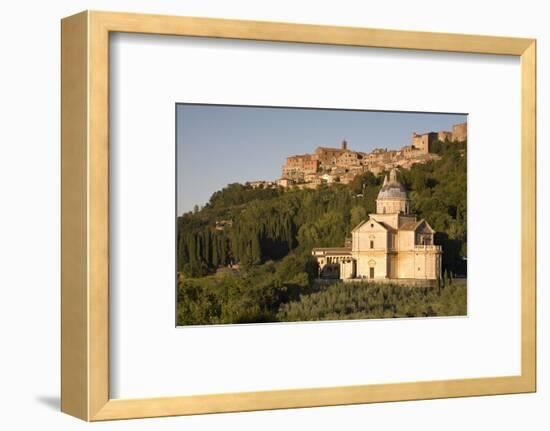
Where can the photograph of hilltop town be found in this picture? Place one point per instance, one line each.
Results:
(296, 214)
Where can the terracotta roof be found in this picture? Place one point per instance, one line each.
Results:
(412, 225)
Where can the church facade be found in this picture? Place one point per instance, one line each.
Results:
(391, 245)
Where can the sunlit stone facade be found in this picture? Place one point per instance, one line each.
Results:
(391, 244)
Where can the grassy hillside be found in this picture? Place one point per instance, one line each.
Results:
(217, 300)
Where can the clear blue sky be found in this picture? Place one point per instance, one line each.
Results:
(218, 145)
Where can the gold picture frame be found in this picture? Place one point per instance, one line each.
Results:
(85, 225)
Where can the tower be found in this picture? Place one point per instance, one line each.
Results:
(393, 197)
(344, 145)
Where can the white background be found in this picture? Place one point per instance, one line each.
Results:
(150, 357)
(29, 224)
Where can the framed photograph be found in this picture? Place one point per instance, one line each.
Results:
(264, 215)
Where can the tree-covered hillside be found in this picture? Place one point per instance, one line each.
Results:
(266, 237)
(267, 224)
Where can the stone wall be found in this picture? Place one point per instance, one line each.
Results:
(424, 141)
(376, 260)
(418, 264)
(460, 132)
(327, 156)
(444, 136)
(300, 165)
(389, 219)
(405, 240)
(369, 231)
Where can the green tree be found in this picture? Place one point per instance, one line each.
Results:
(357, 215)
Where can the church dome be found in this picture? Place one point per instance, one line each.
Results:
(392, 188)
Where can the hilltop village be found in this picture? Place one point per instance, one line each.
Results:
(333, 165)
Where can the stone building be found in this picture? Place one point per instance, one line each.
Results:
(390, 246)
(261, 184)
(423, 142)
(444, 136)
(460, 132)
(298, 166)
(285, 182)
(411, 151)
(349, 159)
(328, 156)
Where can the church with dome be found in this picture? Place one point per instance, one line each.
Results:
(392, 245)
